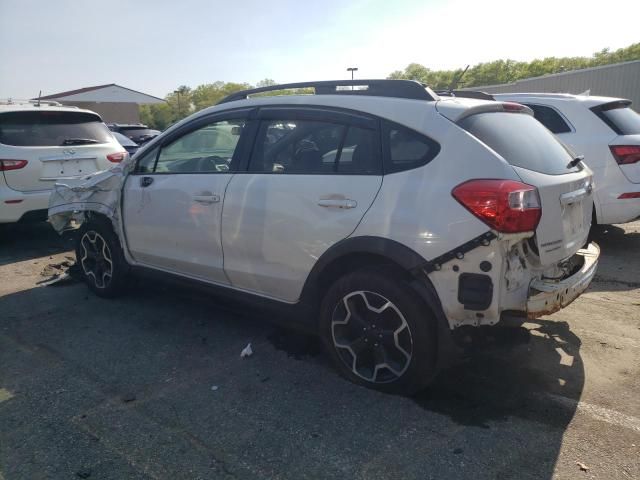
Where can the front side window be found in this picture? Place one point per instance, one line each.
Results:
(51, 128)
(208, 149)
(549, 118)
(314, 147)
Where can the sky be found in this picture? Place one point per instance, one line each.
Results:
(154, 46)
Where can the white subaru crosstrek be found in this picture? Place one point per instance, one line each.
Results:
(41, 143)
(606, 131)
(382, 218)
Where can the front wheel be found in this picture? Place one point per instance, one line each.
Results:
(379, 332)
(100, 258)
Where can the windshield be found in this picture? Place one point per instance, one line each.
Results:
(52, 128)
(521, 140)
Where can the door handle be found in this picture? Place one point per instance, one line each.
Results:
(337, 203)
(146, 181)
(206, 198)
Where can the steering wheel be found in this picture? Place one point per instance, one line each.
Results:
(212, 163)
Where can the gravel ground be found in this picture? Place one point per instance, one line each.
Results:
(152, 385)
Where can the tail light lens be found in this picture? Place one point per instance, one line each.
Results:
(116, 157)
(12, 165)
(626, 154)
(505, 205)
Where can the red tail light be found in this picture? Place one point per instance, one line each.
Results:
(627, 195)
(505, 205)
(116, 157)
(12, 165)
(512, 107)
(626, 154)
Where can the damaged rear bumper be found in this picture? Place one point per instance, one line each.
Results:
(548, 296)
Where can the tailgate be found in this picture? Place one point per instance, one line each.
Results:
(47, 165)
(567, 204)
(540, 160)
(41, 145)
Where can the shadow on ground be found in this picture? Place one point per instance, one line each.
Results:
(19, 242)
(619, 264)
(151, 385)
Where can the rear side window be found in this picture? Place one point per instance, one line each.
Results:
(406, 149)
(620, 117)
(51, 128)
(549, 118)
(314, 147)
(521, 141)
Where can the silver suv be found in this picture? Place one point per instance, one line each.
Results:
(374, 213)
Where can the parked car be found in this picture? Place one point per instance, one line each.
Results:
(384, 219)
(607, 132)
(138, 133)
(129, 145)
(41, 143)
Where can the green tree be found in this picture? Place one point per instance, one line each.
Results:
(505, 71)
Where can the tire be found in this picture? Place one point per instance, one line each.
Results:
(100, 258)
(377, 306)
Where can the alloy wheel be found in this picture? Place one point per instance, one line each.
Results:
(371, 336)
(96, 259)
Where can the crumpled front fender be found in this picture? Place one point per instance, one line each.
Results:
(99, 192)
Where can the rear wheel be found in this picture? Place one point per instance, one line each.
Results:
(100, 258)
(378, 332)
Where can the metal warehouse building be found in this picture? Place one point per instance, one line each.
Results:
(615, 80)
(112, 102)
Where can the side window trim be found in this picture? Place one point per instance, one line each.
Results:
(560, 114)
(246, 113)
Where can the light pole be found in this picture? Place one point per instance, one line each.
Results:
(352, 69)
(177, 92)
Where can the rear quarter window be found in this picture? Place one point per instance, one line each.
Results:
(549, 118)
(620, 117)
(521, 140)
(406, 149)
(52, 128)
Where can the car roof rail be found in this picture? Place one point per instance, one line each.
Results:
(36, 102)
(466, 94)
(409, 89)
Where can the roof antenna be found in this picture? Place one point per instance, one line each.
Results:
(456, 80)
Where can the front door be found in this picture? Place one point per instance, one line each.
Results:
(173, 203)
(312, 176)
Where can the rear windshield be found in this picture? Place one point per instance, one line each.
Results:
(49, 129)
(134, 132)
(625, 120)
(521, 140)
(124, 141)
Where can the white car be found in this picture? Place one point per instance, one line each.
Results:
(606, 131)
(442, 215)
(41, 143)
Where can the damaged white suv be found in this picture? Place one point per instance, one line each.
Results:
(375, 213)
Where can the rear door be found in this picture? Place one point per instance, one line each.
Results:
(173, 202)
(54, 145)
(312, 175)
(540, 160)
